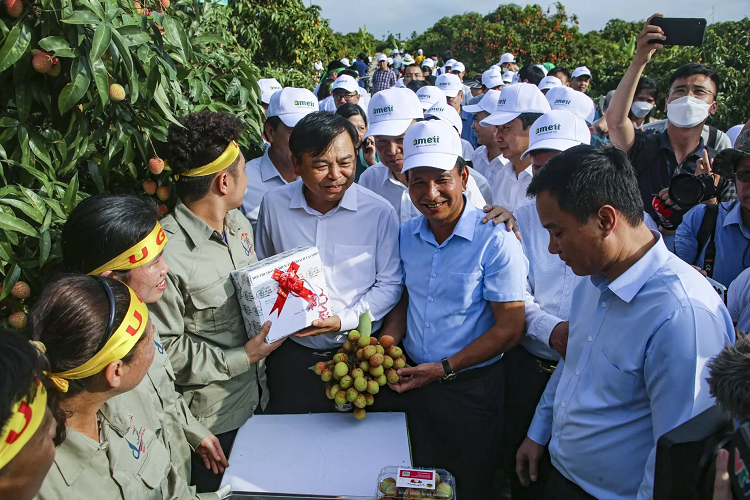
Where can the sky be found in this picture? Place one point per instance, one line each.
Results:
(405, 16)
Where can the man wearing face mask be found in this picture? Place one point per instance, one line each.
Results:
(691, 99)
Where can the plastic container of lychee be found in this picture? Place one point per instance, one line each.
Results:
(400, 483)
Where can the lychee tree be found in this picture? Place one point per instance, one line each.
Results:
(87, 87)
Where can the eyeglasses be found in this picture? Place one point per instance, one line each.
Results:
(698, 92)
(743, 175)
(348, 97)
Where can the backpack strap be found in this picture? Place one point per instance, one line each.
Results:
(706, 238)
(713, 134)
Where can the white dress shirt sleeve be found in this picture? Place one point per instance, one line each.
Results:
(677, 351)
(386, 291)
(539, 324)
(540, 429)
(263, 243)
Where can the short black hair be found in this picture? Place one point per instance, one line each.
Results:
(314, 133)
(362, 56)
(102, 227)
(528, 119)
(559, 69)
(728, 378)
(531, 73)
(324, 90)
(415, 85)
(350, 109)
(447, 55)
(334, 65)
(202, 138)
(691, 69)
(350, 72)
(649, 85)
(273, 122)
(585, 178)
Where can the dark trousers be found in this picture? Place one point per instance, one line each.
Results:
(203, 479)
(526, 377)
(457, 425)
(560, 487)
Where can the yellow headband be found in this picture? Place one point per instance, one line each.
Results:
(25, 419)
(138, 255)
(118, 345)
(223, 161)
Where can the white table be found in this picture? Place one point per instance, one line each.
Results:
(317, 454)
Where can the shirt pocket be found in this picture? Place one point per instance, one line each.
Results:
(612, 386)
(354, 267)
(154, 470)
(464, 292)
(211, 305)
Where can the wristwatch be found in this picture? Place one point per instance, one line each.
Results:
(449, 373)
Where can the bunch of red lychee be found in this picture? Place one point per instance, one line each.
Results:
(20, 291)
(359, 369)
(387, 490)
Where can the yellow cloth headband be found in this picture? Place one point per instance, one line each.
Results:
(138, 255)
(118, 345)
(223, 161)
(25, 419)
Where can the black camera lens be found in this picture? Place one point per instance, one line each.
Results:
(687, 190)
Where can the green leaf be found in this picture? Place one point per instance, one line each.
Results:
(13, 223)
(69, 199)
(47, 221)
(10, 279)
(26, 208)
(7, 121)
(15, 45)
(82, 17)
(163, 102)
(76, 89)
(176, 36)
(58, 45)
(95, 7)
(101, 79)
(39, 149)
(102, 37)
(134, 35)
(206, 39)
(44, 248)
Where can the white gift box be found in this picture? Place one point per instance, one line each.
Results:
(288, 289)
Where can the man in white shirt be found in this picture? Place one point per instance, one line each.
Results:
(274, 168)
(517, 109)
(390, 114)
(356, 233)
(487, 159)
(580, 79)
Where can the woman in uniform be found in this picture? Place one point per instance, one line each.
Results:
(27, 427)
(119, 236)
(99, 342)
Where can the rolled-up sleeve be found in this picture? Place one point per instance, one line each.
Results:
(506, 268)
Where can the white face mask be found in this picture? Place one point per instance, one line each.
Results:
(687, 112)
(641, 109)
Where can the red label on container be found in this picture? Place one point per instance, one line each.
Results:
(420, 479)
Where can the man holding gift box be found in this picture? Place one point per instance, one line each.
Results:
(356, 233)
(462, 309)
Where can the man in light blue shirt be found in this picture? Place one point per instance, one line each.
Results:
(642, 327)
(462, 309)
(731, 235)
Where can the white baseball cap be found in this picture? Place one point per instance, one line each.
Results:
(508, 77)
(488, 103)
(394, 52)
(268, 87)
(450, 84)
(581, 71)
(382, 57)
(345, 61)
(492, 78)
(318, 66)
(448, 114)
(390, 61)
(431, 143)
(345, 82)
(576, 102)
(557, 130)
(549, 82)
(400, 83)
(419, 51)
(429, 95)
(516, 78)
(541, 66)
(391, 111)
(507, 58)
(517, 99)
(428, 63)
(450, 62)
(458, 66)
(292, 104)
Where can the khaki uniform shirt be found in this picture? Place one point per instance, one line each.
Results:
(200, 321)
(130, 462)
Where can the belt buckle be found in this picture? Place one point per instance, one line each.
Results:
(544, 369)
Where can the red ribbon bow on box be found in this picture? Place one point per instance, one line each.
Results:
(289, 282)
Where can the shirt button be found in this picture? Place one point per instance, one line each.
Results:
(427, 325)
(434, 275)
(591, 338)
(430, 299)
(563, 404)
(557, 434)
(567, 293)
(604, 304)
(438, 250)
(578, 372)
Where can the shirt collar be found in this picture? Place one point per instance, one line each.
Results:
(629, 283)
(78, 454)
(665, 144)
(390, 178)
(197, 230)
(298, 200)
(267, 169)
(464, 228)
(734, 216)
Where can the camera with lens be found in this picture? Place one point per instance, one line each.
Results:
(687, 190)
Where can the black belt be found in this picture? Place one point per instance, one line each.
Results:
(545, 365)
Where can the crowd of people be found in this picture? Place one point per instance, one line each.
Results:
(525, 247)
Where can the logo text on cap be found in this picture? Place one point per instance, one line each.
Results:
(427, 140)
(562, 101)
(309, 104)
(384, 109)
(547, 128)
